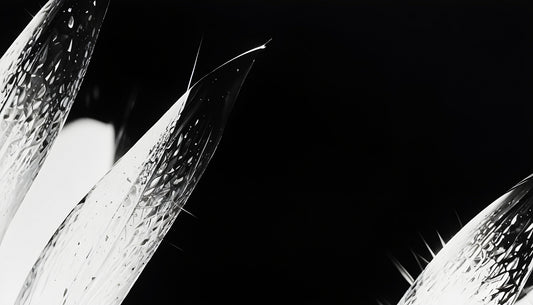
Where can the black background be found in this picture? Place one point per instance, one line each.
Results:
(360, 127)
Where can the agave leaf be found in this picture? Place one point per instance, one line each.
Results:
(488, 262)
(40, 76)
(82, 154)
(104, 244)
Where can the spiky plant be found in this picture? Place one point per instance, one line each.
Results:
(95, 254)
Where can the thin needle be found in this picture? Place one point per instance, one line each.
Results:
(195, 62)
(405, 274)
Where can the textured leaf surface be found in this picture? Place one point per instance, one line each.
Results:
(40, 76)
(488, 262)
(104, 244)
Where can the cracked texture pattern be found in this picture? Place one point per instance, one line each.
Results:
(104, 244)
(488, 262)
(40, 76)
